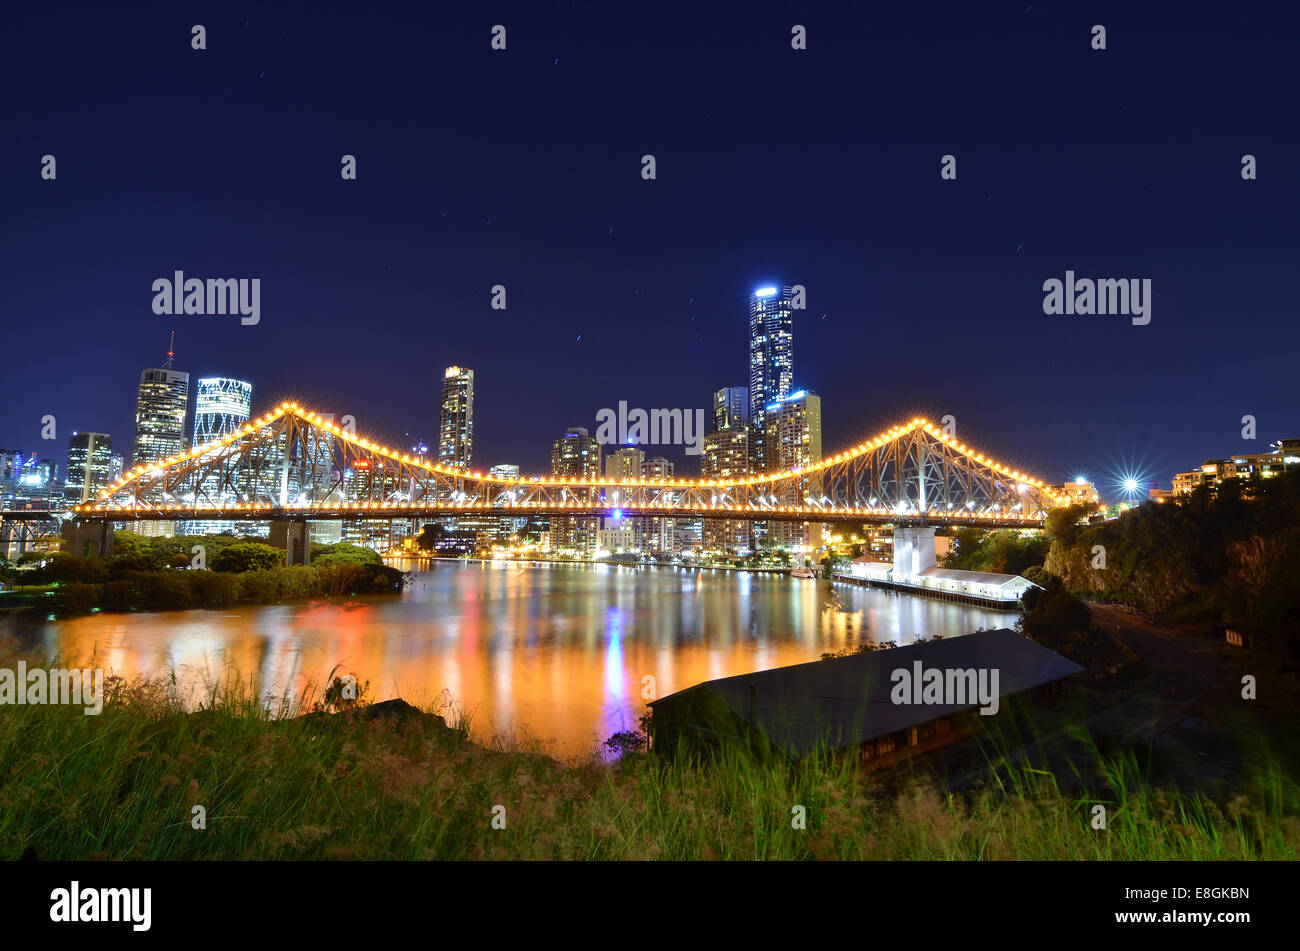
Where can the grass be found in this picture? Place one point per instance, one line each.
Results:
(122, 785)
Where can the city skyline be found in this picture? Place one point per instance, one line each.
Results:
(842, 432)
(228, 399)
(924, 295)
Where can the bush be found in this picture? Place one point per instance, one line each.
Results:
(344, 553)
(214, 589)
(78, 597)
(1053, 614)
(126, 565)
(165, 592)
(248, 556)
(118, 596)
(1038, 575)
(345, 578)
(133, 586)
(1006, 551)
(64, 567)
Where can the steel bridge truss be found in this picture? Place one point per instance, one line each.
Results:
(294, 464)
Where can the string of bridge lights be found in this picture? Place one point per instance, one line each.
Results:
(252, 426)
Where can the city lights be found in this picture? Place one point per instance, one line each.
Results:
(769, 493)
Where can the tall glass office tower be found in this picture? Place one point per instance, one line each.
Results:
(456, 418)
(90, 462)
(771, 362)
(160, 414)
(221, 405)
(160, 405)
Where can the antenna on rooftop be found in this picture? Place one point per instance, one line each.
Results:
(171, 351)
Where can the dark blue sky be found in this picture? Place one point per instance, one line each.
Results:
(522, 168)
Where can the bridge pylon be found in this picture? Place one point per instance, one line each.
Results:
(913, 551)
(88, 539)
(295, 539)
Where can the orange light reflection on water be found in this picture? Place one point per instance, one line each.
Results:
(553, 652)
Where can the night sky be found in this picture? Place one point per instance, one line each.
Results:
(523, 168)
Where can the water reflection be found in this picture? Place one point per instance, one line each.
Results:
(560, 651)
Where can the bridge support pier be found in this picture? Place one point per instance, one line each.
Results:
(7, 538)
(295, 539)
(88, 539)
(913, 551)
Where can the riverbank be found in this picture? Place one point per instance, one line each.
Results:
(145, 780)
(185, 589)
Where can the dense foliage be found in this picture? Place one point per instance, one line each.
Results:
(159, 574)
(1007, 552)
(1227, 555)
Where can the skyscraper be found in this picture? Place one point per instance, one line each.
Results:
(726, 456)
(771, 361)
(794, 430)
(731, 407)
(658, 533)
(31, 482)
(160, 405)
(456, 418)
(575, 455)
(657, 467)
(625, 465)
(221, 405)
(90, 466)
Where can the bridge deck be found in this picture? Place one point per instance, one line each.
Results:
(269, 513)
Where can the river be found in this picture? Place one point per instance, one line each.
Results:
(557, 657)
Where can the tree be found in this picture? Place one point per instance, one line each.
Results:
(1062, 524)
(429, 536)
(1005, 552)
(346, 554)
(128, 544)
(248, 556)
(1053, 614)
(78, 597)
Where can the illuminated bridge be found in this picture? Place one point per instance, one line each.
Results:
(292, 466)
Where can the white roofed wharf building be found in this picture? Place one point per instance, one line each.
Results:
(981, 585)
